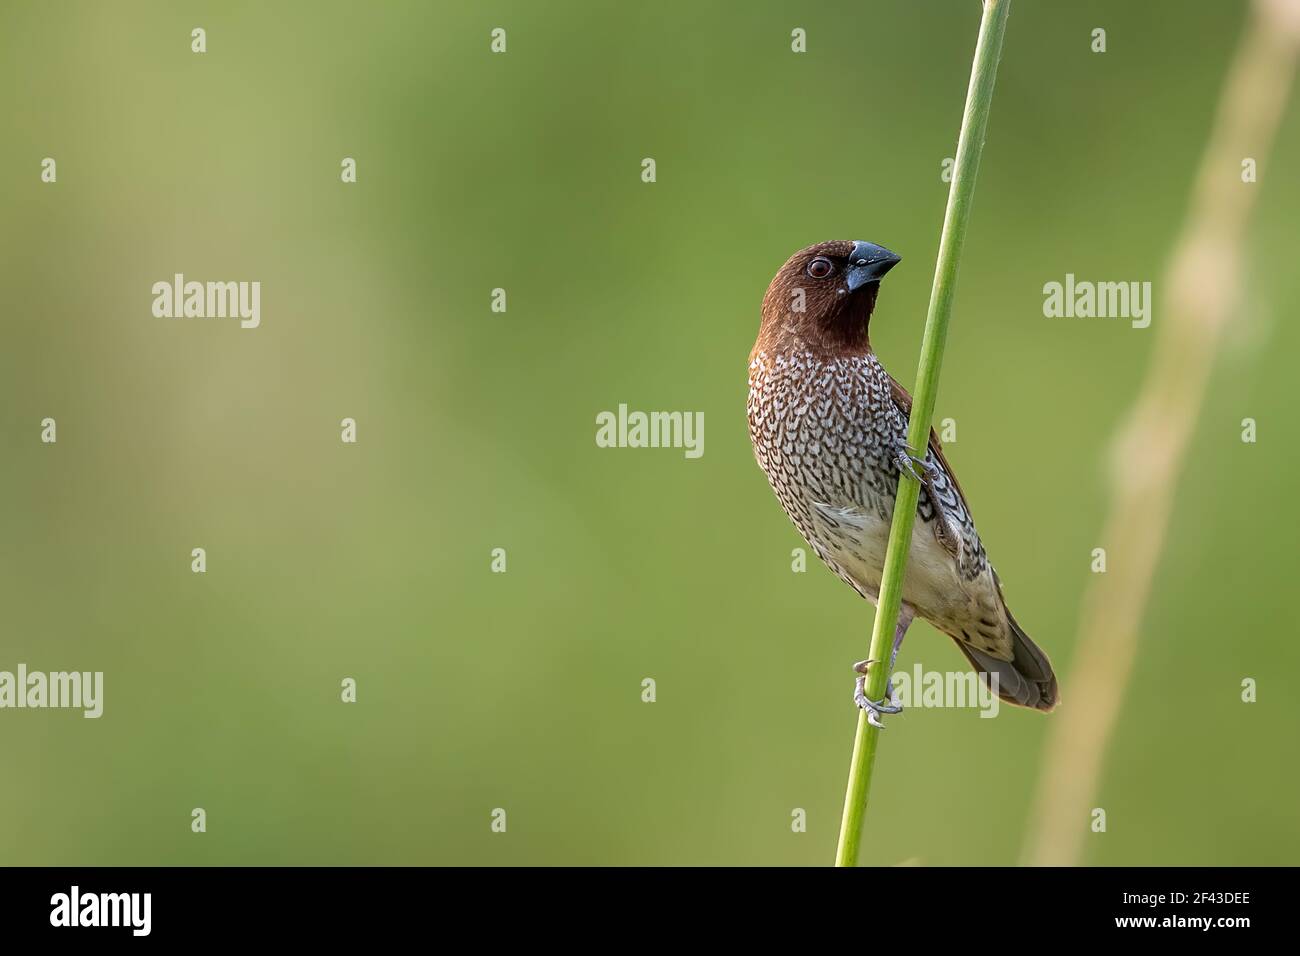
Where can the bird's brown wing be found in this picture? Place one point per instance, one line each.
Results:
(1024, 672)
(904, 402)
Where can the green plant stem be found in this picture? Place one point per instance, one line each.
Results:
(979, 97)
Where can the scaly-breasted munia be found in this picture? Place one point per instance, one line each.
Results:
(829, 428)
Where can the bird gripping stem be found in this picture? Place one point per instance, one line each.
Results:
(979, 97)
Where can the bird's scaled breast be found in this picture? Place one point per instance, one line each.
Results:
(815, 438)
(823, 433)
(828, 424)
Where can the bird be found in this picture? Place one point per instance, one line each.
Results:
(829, 426)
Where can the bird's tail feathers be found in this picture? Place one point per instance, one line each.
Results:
(1027, 680)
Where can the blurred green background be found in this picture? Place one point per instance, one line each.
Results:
(476, 430)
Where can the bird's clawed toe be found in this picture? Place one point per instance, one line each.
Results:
(907, 464)
(864, 667)
(875, 708)
(914, 465)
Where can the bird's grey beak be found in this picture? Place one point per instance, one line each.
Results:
(868, 263)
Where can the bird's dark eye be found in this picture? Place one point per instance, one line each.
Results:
(820, 268)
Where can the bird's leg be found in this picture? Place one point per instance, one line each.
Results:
(875, 709)
(945, 532)
(907, 462)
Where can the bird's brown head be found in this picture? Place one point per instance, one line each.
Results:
(822, 298)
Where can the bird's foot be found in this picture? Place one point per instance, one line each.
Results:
(947, 533)
(909, 461)
(864, 667)
(875, 708)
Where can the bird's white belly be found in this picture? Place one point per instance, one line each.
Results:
(856, 539)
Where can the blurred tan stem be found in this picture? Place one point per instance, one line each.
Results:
(1202, 285)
